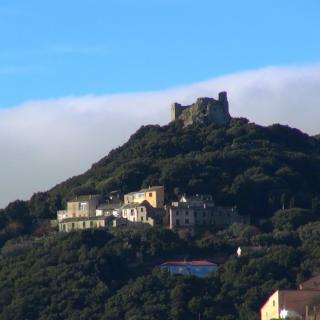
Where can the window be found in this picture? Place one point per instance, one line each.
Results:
(141, 209)
(91, 224)
(177, 222)
(72, 226)
(83, 206)
(187, 213)
(187, 221)
(138, 195)
(83, 225)
(177, 213)
(195, 213)
(132, 212)
(141, 219)
(150, 194)
(64, 227)
(273, 303)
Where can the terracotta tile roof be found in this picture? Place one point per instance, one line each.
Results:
(202, 263)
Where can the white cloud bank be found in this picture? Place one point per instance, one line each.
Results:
(45, 142)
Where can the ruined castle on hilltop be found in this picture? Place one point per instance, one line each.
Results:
(204, 110)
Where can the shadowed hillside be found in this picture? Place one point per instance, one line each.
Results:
(113, 274)
(260, 169)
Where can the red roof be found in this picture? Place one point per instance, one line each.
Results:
(313, 284)
(197, 263)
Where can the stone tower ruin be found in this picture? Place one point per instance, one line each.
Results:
(204, 110)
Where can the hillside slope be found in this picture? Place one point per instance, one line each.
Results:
(260, 169)
(112, 274)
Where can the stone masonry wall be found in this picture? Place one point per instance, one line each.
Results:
(204, 110)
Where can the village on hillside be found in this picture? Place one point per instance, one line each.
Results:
(145, 206)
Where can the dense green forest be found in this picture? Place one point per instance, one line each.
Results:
(271, 173)
(114, 274)
(259, 169)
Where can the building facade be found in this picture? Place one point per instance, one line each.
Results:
(142, 212)
(196, 268)
(154, 195)
(82, 206)
(111, 206)
(294, 304)
(200, 210)
(81, 213)
(81, 223)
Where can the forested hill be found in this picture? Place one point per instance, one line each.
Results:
(260, 169)
(112, 273)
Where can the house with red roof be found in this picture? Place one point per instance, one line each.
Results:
(303, 303)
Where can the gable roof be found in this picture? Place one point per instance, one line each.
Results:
(152, 188)
(144, 203)
(311, 284)
(86, 197)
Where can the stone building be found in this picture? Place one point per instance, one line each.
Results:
(154, 195)
(112, 206)
(80, 223)
(81, 213)
(143, 213)
(200, 210)
(93, 211)
(204, 110)
(301, 304)
(81, 206)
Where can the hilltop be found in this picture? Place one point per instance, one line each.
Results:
(271, 173)
(259, 169)
(204, 110)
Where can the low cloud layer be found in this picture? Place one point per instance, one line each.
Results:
(45, 142)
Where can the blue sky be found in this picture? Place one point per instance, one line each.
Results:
(93, 71)
(51, 49)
